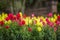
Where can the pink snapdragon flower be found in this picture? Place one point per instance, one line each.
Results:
(51, 24)
(33, 15)
(50, 14)
(57, 22)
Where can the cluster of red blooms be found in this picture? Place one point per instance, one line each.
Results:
(57, 22)
(10, 17)
(16, 18)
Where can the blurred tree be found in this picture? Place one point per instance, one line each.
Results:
(58, 6)
(30, 3)
(3, 5)
(6, 3)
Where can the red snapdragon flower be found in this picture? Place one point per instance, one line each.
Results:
(14, 17)
(11, 16)
(7, 18)
(47, 20)
(29, 29)
(21, 23)
(49, 23)
(6, 27)
(58, 18)
(18, 16)
(57, 22)
(1, 23)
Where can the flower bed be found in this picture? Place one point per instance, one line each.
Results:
(22, 27)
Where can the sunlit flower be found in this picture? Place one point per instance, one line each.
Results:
(52, 19)
(5, 15)
(55, 16)
(34, 18)
(39, 29)
(27, 20)
(2, 18)
(20, 14)
(8, 22)
(39, 23)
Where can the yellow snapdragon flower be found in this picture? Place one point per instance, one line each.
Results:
(8, 22)
(27, 20)
(2, 14)
(42, 17)
(52, 19)
(30, 21)
(0, 18)
(34, 17)
(39, 29)
(5, 15)
(39, 24)
(20, 14)
(55, 16)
